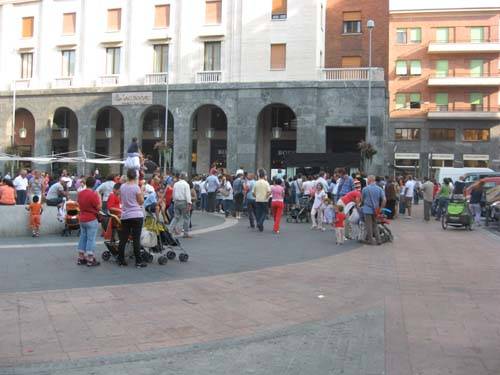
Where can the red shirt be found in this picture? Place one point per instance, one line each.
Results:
(339, 219)
(88, 201)
(113, 201)
(168, 195)
(351, 197)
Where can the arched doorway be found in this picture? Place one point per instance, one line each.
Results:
(153, 135)
(209, 139)
(64, 135)
(24, 136)
(276, 136)
(109, 136)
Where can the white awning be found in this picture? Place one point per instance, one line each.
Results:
(443, 157)
(407, 155)
(476, 157)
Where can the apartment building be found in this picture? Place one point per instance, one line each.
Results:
(244, 81)
(444, 82)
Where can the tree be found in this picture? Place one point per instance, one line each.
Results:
(367, 153)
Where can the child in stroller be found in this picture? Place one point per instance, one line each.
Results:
(70, 211)
(300, 212)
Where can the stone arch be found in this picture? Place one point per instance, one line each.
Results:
(153, 132)
(106, 143)
(24, 135)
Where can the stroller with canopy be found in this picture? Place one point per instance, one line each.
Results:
(457, 215)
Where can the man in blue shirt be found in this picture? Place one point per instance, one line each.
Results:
(211, 185)
(373, 199)
(345, 184)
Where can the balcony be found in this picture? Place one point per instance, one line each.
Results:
(465, 80)
(463, 112)
(351, 74)
(62, 82)
(466, 46)
(21, 84)
(108, 80)
(156, 79)
(209, 77)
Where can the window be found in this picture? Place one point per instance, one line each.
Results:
(439, 163)
(442, 102)
(28, 27)
(477, 34)
(279, 10)
(401, 36)
(407, 134)
(408, 101)
(476, 135)
(476, 68)
(415, 67)
(352, 22)
(416, 35)
(476, 101)
(442, 134)
(69, 23)
(442, 35)
(476, 163)
(160, 63)
(213, 12)
(114, 19)
(26, 65)
(113, 60)
(212, 56)
(162, 16)
(442, 68)
(278, 56)
(351, 61)
(68, 63)
(401, 68)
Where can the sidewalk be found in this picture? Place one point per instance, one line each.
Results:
(439, 293)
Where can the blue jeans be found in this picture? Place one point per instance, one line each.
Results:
(227, 205)
(88, 232)
(21, 197)
(260, 213)
(443, 207)
(204, 201)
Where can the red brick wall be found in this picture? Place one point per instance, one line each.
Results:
(338, 45)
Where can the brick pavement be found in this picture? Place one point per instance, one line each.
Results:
(439, 292)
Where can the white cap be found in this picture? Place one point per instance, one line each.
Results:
(240, 171)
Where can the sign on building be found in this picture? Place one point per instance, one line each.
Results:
(132, 98)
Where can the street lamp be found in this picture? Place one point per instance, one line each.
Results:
(23, 132)
(276, 132)
(370, 25)
(210, 133)
(166, 118)
(108, 132)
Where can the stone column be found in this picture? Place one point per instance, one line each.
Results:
(242, 133)
(182, 142)
(86, 137)
(43, 134)
(132, 125)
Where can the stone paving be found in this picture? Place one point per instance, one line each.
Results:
(437, 291)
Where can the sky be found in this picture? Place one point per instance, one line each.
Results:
(441, 4)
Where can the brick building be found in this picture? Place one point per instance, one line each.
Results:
(444, 88)
(346, 42)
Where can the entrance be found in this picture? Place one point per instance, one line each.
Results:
(343, 139)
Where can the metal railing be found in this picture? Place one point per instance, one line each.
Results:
(209, 76)
(62, 82)
(22, 84)
(453, 74)
(156, 79)
(452, 107)
(352, 74)
(461, 41)
(108, 80)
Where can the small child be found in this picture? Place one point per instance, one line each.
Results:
(35, 210)
(339, 224)
(133, 160)
(329, 214)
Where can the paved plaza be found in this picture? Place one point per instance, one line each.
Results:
(257, 303)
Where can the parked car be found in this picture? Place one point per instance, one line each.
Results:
(470, 178)
(471, 174)
(489, 182)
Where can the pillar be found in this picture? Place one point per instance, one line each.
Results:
(182, 141)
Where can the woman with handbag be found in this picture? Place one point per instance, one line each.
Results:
(90, 205)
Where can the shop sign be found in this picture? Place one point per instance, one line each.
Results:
(407, 155)
(132, 98)
(443, 157)
(476, 157)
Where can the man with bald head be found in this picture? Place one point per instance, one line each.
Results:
(373, 200)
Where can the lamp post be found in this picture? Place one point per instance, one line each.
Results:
(13, 114)
(370, 25)
(166, 124)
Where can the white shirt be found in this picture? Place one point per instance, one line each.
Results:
(148, 189)
(68, 181)
(318, 199)
(323, 182)
(229, 189)
(203, 188)
(105, 189)
(20, 183)
(307, 186)
(182, 191)
(409, 188)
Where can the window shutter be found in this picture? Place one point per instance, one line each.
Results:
(400, 101)
(213, 12)
(278, 56)
(477, 34)
(442, 35)
(441, 99)
(442, 68)
(162, 16)
(416, 35)
(69, 23)
(351, 61)
(352, 16)
(114, 19)
(28, 27)
(415, 67)
(415, 97)
(476, 68)
(476, 98)
(401, 68)
(279, 7)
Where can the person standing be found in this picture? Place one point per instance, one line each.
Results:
(318, 207)
(345, 184)
(132, 218)
(476, 195)
(444, 195)
(203, 196)
(261, 192)
(238, 188)
(409, 193)
(428, 192)
(21, 186)
(182, 205)
(339, 225)
(37, 186)
(212, 185)
(373, 200)
(391, 194)
(227, 196)
(90, 205)
(250, 198)
(105, 189)
(277, 204)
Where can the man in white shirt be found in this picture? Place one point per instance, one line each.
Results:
(181, 198)
(21, 186)
(322, 180)
(409, 191)
(104, 190)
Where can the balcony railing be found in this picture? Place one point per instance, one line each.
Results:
(21, 84)
(62, 82)
(156, 79)
(108, 80)
(352, 74)
(209, 76)
(486, 45)
(466, 79)
(465, 112)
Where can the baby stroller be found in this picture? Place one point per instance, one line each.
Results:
(71, 217)
(383, 225)
(171, 242)
(151, 240)
(300, 213)
(457, 215)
